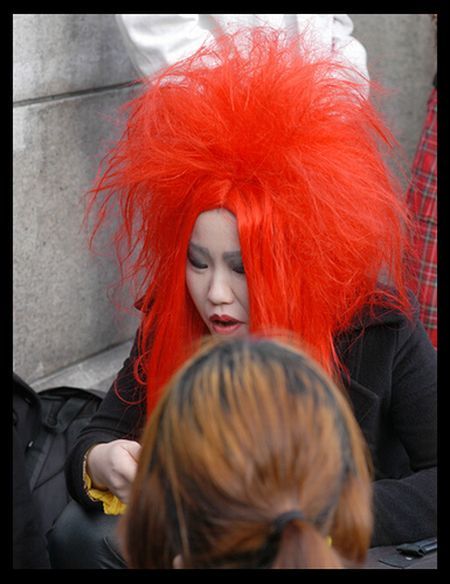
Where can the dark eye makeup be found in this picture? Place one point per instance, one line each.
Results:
(239, 269)
(196, 263)
(236, 267)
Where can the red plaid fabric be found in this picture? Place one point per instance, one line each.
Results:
(422, 200)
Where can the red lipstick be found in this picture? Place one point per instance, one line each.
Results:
(223, 324)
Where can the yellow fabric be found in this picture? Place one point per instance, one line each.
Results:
(112, 505)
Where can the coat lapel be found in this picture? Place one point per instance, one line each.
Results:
(366, 409)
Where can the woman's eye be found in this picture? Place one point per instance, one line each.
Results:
(196, 263)
(239, 269)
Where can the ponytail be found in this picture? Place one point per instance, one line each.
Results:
(303, 546)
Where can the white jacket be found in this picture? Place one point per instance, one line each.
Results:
(155, 41)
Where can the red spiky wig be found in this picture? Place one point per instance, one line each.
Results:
(284, 139)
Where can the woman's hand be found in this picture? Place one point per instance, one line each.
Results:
(112, 466)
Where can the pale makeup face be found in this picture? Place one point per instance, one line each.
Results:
(215, 275)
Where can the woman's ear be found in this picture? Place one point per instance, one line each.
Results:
(178, 562)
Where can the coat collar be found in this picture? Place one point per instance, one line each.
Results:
(380, 315)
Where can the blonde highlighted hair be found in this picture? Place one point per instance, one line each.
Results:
(248, 430)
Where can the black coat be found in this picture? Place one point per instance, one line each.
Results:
(392, 387)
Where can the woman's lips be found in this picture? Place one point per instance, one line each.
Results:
(224, 324)
(222, 329)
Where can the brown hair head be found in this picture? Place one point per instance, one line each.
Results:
(247, 431)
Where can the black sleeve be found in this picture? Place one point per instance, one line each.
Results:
(121, 415)
(406, 508)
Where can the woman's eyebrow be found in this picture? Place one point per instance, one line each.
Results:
(199, 249)
(228, 255)
(232, 255)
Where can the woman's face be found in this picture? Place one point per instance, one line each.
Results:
(215, 275)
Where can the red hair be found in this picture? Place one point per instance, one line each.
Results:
(285, 140)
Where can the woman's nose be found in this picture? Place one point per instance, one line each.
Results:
(220, 291)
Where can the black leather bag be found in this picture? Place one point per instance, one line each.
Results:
(46, 426)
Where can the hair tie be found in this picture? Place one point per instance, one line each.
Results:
(285, 518)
